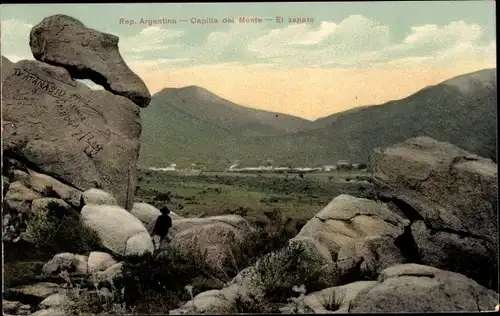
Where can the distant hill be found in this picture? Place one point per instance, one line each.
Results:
(461, 111)
(206, 106)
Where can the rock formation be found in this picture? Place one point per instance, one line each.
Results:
(57, 126)
(450, 195)
(87, 54)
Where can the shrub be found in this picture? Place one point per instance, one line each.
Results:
(253, 305)
(268, 237)
(278, 272)
(163, 196)
(92, 300)
(59, 230)
(21, 272)
(149, 277)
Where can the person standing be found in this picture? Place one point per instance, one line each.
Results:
(161, 227)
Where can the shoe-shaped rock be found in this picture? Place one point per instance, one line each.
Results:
(87, 54)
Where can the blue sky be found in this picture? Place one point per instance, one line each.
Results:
(396, 39)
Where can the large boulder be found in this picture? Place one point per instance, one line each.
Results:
(451, 197)
(417, 288)
(216, 241)
(81, 137)
(357, 234)
(87, 54)
(119, 231)
(180, 224)
(145, 212)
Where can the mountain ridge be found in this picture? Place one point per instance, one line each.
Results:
(444, 111)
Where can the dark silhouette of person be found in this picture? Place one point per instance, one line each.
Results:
(163, 224)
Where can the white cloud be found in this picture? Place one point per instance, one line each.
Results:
(329, 44)
(156, 64)
(314, 37)
(152, 38)
(458, 31)
(354, 41)
(15, 39)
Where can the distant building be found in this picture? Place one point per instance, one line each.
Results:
(163, 169)
(343, 165)
(329, 167)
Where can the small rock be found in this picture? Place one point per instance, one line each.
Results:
(100, 261)
(19, 197)
(109, 274)
(10, 306)
(55, 300)
(66, 261)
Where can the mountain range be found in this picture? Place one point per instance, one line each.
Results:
(192, 125)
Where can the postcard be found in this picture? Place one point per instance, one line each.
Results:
(235, 158)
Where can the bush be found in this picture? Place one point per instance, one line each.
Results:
(279, 271)
(59, 230)
(154, 283)
(163, 197)
(268, 237)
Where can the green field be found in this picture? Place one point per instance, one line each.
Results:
(249, 195)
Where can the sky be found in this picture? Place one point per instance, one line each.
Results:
(338, 56)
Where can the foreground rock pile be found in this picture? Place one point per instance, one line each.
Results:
(427, 242)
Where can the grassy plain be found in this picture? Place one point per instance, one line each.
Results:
(248, 194)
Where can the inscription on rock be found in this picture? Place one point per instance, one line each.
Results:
(68, 105)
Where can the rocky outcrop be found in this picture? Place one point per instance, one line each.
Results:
(87, 54)
(215, 240)
(118, 230)
(418, 288)
(61, 128)
(450, 196)
(357, 234)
